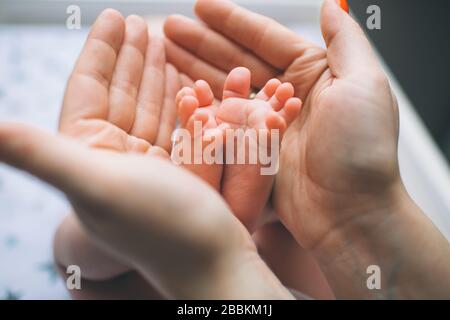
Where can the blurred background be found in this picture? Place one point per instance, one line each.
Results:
(37, 53)
(415, 43)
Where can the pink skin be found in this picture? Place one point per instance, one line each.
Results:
(274, 107)
(197, 104)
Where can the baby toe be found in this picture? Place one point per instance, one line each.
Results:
(237, 84)
(204, 93)
(291, 110)
(282, 94)
(186, 91)
(186, 108)
(199, 120)
(275, 121)
(269, 90)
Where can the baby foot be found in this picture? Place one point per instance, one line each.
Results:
(197, 115)
(244, 188)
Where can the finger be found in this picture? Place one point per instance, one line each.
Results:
(136, 145)
(151, 93)
(87, 90)
(158, 152)
(168, 119)
(237, 84)
(101, 134)
(210, 45)
(73, 246)
(127, 76)
(349, 51)
(195, 68)
(52, 158)
(263, 36)
(64, 163)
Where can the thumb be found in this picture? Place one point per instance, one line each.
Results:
(349, 50)
(52, 158)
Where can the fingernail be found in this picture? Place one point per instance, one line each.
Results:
(343, 4)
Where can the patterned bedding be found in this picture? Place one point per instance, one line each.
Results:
(34, 64)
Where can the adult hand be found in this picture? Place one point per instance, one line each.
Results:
(333, 85)
(121, 94)
(120, 97)
(339, 185)
(123, 229)
(165, 222)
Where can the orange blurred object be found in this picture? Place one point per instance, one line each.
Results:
(344, 5)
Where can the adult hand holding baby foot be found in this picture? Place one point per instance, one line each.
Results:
(338, 191)
(163, 221)
(139, 215)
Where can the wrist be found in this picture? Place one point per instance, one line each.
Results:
(388, 237)
(366, 224)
